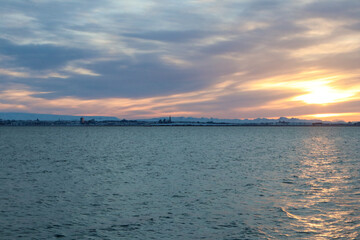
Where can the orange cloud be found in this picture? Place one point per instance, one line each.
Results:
(302, 91)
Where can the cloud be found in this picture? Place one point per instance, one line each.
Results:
(12, 73)
(141, 50)
(171, 36)
(81, 71)
(335, 9)
(40, 57)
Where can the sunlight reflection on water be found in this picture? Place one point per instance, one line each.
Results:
(327, 205)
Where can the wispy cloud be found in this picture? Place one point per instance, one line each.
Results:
(12, 73)
(81, 71)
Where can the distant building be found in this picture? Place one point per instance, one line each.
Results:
(282, 123)
(165, 120)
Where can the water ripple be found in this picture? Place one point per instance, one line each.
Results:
(179, 183)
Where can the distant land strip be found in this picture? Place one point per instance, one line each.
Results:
(34, 119)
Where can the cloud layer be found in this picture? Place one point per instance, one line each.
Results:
(135, 59)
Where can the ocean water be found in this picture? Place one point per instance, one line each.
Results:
(179, 183)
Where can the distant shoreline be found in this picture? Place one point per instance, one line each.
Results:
(134, 123)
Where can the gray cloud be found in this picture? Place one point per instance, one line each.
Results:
(171, 36)
(41, 56)
(126, 78)
(334, 9)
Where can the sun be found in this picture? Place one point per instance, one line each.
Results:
(320, 93)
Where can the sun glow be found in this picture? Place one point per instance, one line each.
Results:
(320, 93)
(313, 87)
(349, 116)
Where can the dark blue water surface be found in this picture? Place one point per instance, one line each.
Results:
(180, 182)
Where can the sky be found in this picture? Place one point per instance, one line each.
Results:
(139, 59)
